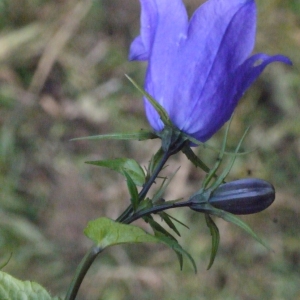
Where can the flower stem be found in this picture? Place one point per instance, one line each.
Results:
(156, 209)
(81, 271)
(145, 188)
(128, 216)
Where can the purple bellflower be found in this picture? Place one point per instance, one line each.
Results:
(198, 69)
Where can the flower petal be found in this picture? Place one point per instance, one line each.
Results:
(171, 28)
(228, 42)
(141, 46)
(138, 50)
(224, 100)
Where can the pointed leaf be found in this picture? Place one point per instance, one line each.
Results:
(140, 136)
(13, 289)
(123, 164)
(214, 231)
(133, 191)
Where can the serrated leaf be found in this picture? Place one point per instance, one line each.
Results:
(105, 232)
(123, 164)
(214, 231)
(169, 222)
(140, 136)
(14, 289)
(133, 191)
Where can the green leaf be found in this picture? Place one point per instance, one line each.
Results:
(14, 289)
(120, 165)
(140, 136)
(160, 110)
(105, 232)
(214, 231)
(133, 191)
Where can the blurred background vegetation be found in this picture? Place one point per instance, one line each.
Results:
(62, 66)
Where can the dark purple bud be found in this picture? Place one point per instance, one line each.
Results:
(244, 196)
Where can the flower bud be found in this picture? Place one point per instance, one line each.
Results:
(244, 196)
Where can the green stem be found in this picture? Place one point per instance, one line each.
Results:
(81, 271)
(146, 187)
(127, 216)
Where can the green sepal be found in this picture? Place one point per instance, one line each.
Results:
(160, 110)
(215, 236)
(133, 191)
(237, 221)
(14, 289)
(157, 227)
(209, 209)
(170, 240)
(194, 159)
(120, 165)
(140, 136)
(169, 222)
(175, 246)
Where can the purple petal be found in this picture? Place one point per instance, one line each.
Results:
(171, 27)
(253, 67)
(230, 91)
(198, 70)
(142, 45)
(219, 37)
(138, 50)
(230, 40)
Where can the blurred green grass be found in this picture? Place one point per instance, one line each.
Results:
(62, 66)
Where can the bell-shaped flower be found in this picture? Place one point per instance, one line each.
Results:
(198, 69)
